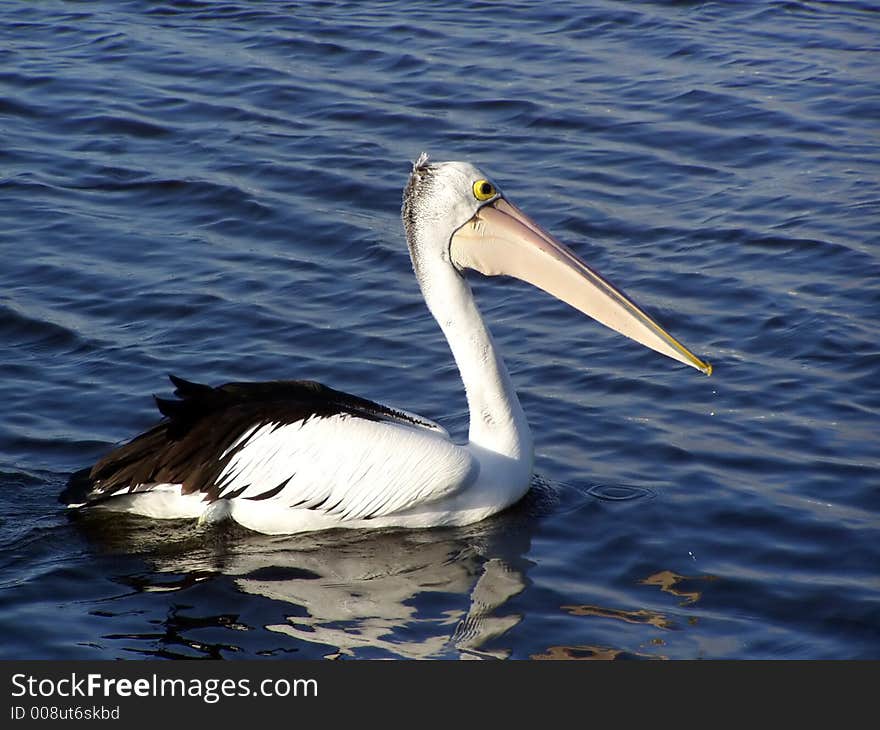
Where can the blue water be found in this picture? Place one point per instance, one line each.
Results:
(212, 189)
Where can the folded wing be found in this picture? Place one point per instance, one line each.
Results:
(296, 443)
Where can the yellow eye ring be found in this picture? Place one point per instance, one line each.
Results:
(483, 190)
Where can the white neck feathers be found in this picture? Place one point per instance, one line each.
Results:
(497, 421)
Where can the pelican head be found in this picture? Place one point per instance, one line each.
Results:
(457, 218)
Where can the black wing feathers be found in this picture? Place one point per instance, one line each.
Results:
(192, 444)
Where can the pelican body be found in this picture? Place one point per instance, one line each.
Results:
(291, 456)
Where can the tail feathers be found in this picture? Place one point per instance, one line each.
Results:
(168, 407)
(188, 394)
(82, 490)
(79, 489)
(188, 389)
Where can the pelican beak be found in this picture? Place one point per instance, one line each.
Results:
(501, 240)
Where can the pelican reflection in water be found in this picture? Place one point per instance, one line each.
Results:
(378, 593)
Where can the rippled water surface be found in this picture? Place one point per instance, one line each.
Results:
(212, 189)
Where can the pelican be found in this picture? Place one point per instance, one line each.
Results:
(292, 456)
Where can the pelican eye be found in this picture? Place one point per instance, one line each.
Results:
(483, 190)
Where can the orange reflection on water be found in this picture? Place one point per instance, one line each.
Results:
(642, 616)
(585, 653)
(669, 583)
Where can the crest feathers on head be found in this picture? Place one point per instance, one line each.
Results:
(421, 162)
